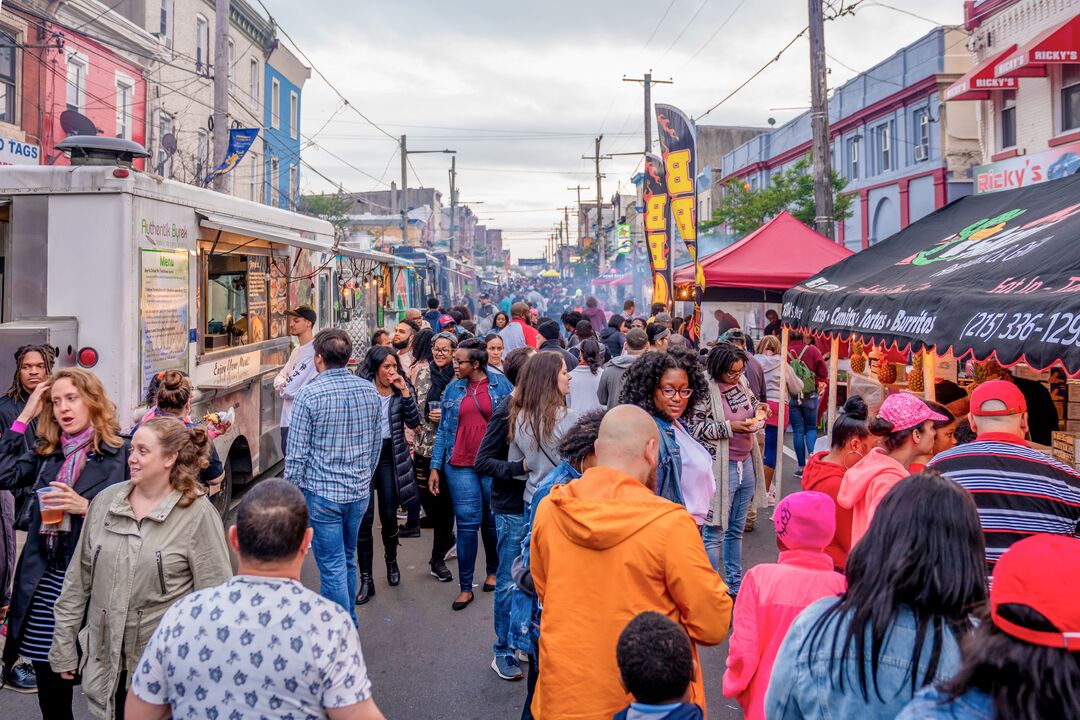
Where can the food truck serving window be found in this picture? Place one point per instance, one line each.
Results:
(245, 295)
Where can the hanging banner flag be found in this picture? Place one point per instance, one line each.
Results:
(656, 228)
(240, 141)
(678, 141)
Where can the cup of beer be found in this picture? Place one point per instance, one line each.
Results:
(49, 516)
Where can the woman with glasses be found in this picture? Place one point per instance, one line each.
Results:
(467, 406)
(668, 386)
(434, 370)
(725, 420)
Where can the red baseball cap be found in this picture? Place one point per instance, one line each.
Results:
(1004, 392)
(446, 320)
(1041, 572)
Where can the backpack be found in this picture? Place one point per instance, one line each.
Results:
(804, 373)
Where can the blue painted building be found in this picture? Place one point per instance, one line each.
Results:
(285, 78)
(903, 151)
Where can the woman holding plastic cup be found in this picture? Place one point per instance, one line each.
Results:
(79, 453)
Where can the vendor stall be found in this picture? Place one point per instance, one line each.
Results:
(990, 276)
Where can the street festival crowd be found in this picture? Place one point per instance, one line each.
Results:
(927, 568)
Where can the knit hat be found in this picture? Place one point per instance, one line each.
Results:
(805, 520)
(1041, 572)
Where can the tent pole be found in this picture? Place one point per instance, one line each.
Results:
(834, 371)
(929, 369)
(781, 416)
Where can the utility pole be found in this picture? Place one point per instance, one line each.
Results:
(453, 204)
(648, 82)
(404, 151)
(578, 188)
(221, 89)
(819, 123)
(595, 157)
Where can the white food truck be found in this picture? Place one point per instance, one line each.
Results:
(130, 274)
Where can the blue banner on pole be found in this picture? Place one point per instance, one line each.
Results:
(240, 141)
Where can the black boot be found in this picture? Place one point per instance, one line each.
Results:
(367, 588)
(393, 572)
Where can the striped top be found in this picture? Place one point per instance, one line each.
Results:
(38, 630)
(1019, 491)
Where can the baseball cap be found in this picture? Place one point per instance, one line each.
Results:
(905, 411)
(805, 520)
(1041, 572)
(662, 317)
(304, 311)
(1004, 392)
(446, 320)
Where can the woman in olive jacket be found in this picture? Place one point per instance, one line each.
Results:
(146, 544)
(79, 453)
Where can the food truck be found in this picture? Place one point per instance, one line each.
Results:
(130, 274)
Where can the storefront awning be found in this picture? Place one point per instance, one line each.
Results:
(980, 80)
(1057, 46)
(260, 231)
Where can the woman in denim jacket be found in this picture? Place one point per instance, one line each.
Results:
(467, 405)
(915, 581)
(668, 385)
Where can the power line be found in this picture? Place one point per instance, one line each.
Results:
(686, 26)
(760, 70)
(715, 33)
(658, 24)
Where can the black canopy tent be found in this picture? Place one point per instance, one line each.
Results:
(994, 275)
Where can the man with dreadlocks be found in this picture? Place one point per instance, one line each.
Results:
(33, 365)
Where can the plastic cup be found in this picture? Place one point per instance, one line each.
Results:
(49, 516)
(434, 405)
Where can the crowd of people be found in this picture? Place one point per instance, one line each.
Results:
(609, 470)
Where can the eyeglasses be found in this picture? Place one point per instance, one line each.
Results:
(441, 351)
(732, 373)
(461, 362)
(670, 392)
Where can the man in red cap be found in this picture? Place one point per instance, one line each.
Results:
(1019, 491)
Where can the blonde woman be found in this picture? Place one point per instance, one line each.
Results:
(147, 543)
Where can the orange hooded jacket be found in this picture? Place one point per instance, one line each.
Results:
(604, 549)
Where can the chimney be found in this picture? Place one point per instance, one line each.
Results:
(394, 199)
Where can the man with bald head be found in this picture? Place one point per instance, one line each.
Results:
(605, 548)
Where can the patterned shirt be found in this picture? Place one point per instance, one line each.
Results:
(254, 647)
(334, 438)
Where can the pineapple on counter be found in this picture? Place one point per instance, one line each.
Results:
(916, 381)
(858, 357)
(886, 372)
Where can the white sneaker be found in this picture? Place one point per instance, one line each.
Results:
(771, 497)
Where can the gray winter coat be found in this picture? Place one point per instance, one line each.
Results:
(611, 380)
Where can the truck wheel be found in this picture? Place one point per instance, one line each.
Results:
(223, 497)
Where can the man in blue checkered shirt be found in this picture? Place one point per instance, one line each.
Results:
(334, 441)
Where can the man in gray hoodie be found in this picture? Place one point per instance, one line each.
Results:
(611, 380)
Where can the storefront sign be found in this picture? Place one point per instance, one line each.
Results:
(229, 371)
(14, 152)
(163, 312)
(1028, 170)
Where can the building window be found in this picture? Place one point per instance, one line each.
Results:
(921, 148)
(232, 65)
(202, 45)
(294, 186)
(853, 158)
(294, 114)
(8, 99)
(275, 104)
(202, 156)
(1070, 97)
(884, 148)
(273, 180)
(1007, 119)
(164, 157)
(253, 83)
(76, 83)
(125, 100)
(165, 22)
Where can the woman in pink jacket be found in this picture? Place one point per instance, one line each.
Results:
(905, 425)
(773, 595)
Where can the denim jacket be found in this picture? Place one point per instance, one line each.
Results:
(806, 684)
(932, 704)
(498, 388)
(524, 607)
(669, 467)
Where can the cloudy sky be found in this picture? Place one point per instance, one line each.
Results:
(521, 90)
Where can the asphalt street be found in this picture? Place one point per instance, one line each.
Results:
(427, 661)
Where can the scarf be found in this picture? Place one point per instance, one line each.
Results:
(76, 449)
(440, 378)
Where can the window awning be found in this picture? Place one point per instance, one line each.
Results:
(980, 81)
(261, 231)
(1057, 46)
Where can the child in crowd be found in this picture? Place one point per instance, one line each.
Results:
(773, 595)
(656, 665)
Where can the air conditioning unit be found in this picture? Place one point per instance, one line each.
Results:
(921, 153)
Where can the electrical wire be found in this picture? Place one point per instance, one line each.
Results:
(658, 24)
(685, 27)
(760, 70)
(713, 36)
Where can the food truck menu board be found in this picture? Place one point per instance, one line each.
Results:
(257, 318)
(163, 311)
(279, 297)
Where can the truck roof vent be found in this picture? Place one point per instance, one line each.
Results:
(93, 150)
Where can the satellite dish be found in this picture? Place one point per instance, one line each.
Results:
(75, 123)
(168, 143)
(772, 121)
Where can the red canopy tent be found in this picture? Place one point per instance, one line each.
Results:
(777, 256)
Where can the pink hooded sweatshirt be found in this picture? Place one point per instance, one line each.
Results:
(865, 484)
(770, 598)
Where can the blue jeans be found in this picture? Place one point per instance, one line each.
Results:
(336, 527)
(804, 426)
(509, 530)
(729, 541)
(471, 494)
(768, 458)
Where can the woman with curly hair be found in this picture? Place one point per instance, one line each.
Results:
(668, 386)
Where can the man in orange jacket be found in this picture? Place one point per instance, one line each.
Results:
(605, 548)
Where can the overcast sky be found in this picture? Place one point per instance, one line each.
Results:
(520, 90)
